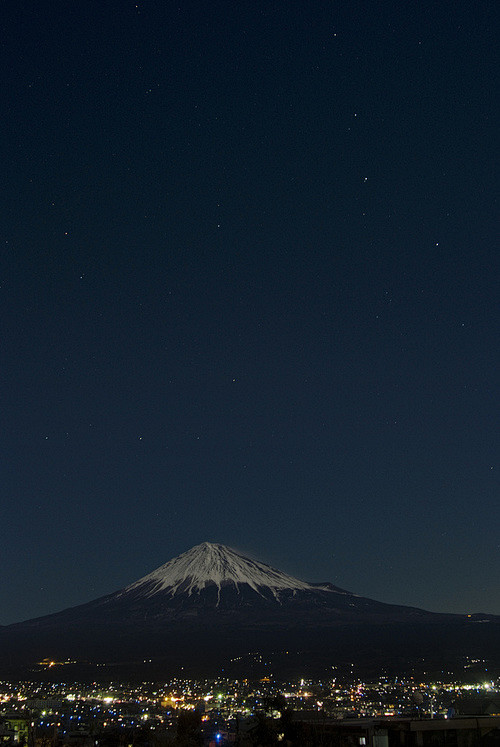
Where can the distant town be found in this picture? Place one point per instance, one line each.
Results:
(406, 711)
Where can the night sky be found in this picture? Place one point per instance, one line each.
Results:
(249, 295)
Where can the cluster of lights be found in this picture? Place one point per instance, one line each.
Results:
(220, 701)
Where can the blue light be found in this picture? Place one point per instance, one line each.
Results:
(218, 736)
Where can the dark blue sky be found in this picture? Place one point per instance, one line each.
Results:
(249, 294)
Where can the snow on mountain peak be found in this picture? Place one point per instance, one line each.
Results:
(210, 563)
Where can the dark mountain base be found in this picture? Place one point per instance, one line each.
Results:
(155, 653)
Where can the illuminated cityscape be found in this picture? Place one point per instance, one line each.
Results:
(245, 712)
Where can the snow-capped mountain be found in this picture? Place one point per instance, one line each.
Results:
(212, 604)
(211, 564)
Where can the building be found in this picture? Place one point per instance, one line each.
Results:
(478, 731)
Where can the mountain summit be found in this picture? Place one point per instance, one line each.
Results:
(211, 564)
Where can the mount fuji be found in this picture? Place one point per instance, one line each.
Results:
(211, 607)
